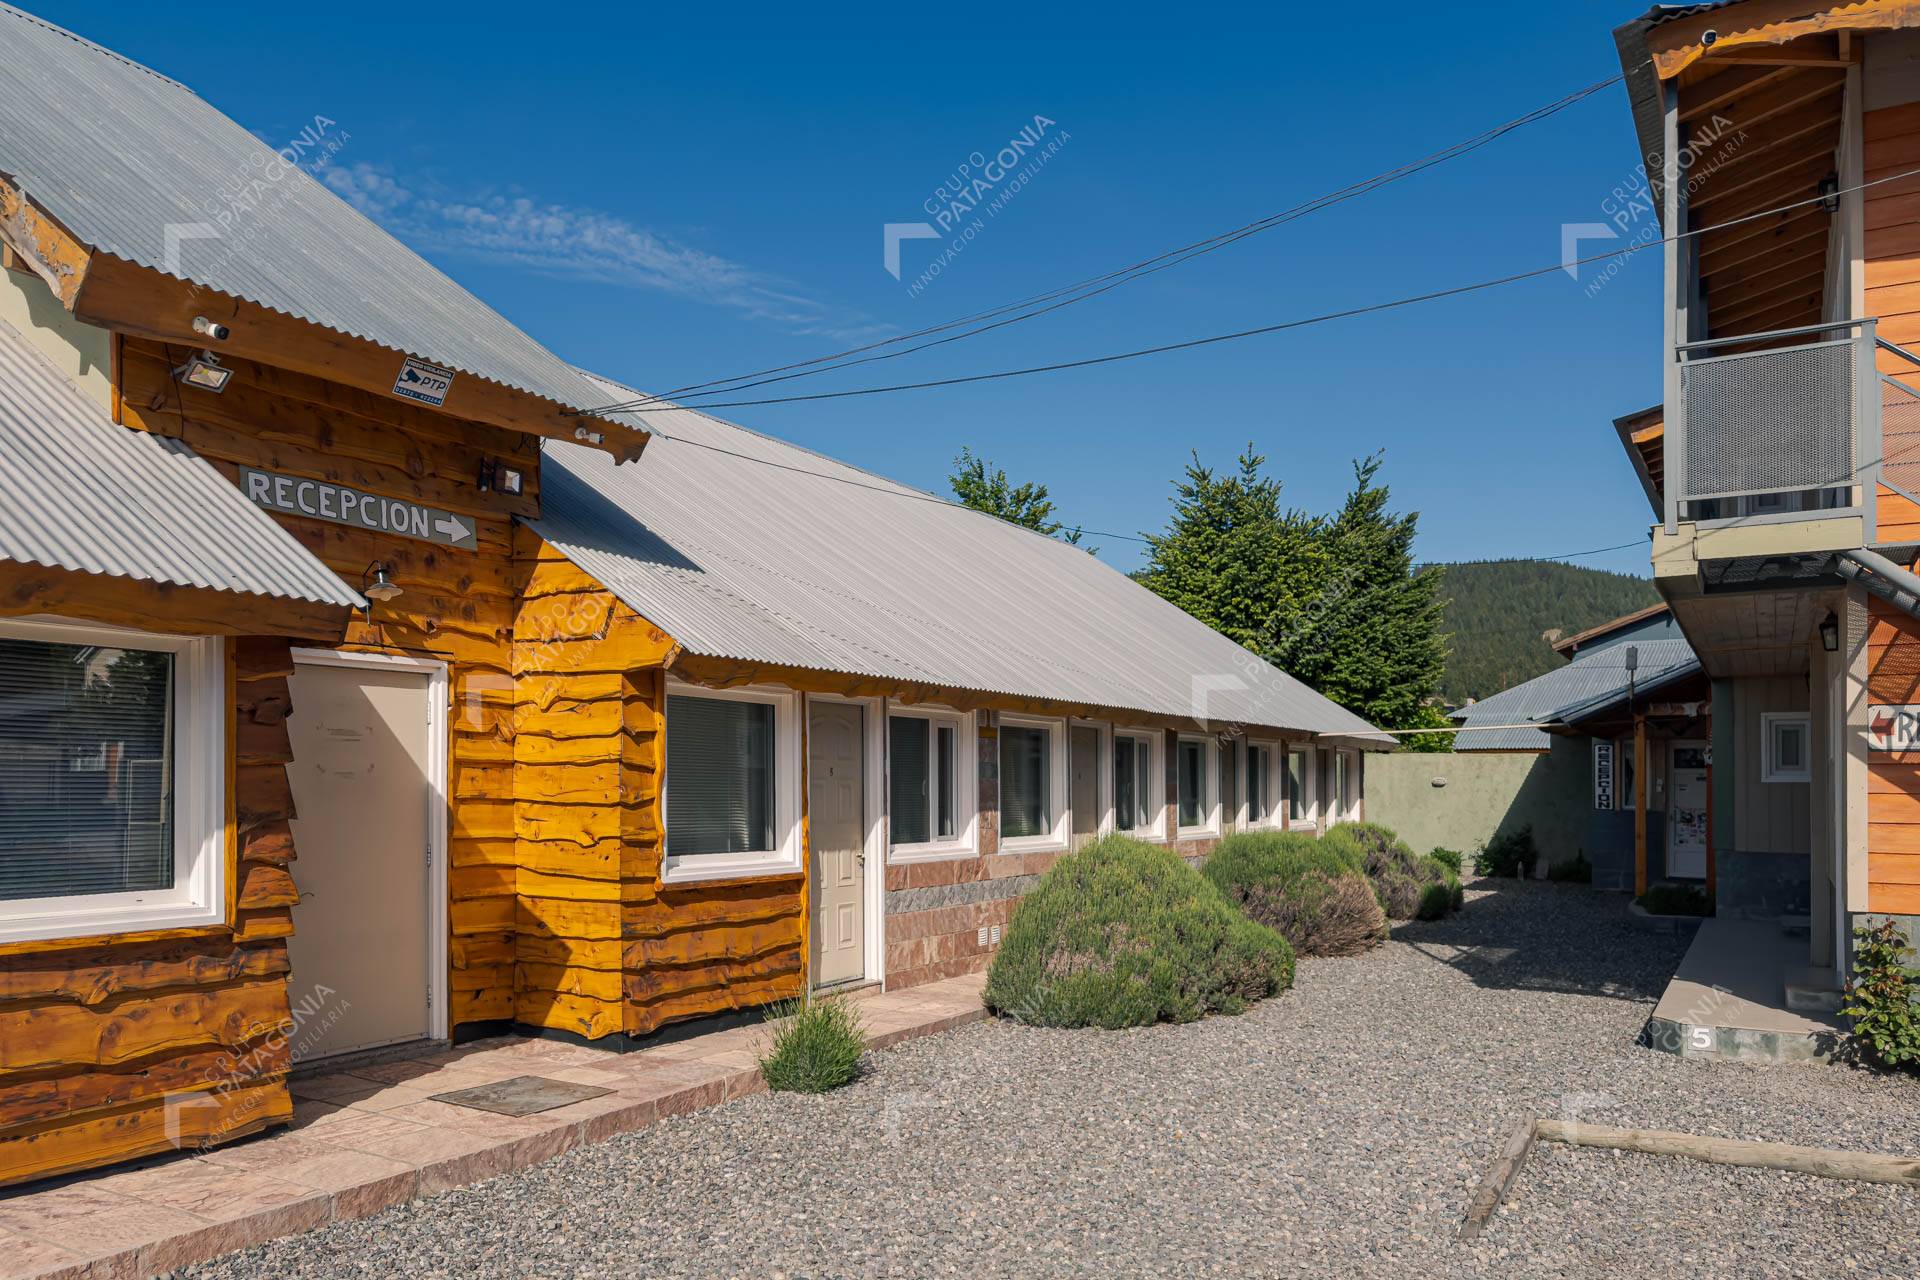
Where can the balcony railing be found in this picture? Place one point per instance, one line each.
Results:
(1766, 428)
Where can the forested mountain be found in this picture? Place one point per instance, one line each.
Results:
(1498, 612)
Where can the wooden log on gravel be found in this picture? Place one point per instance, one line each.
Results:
(1493, 1187)
(1856, 1166)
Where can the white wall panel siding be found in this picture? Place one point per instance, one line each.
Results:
(744, 547)
(126, 158)
(79, 492)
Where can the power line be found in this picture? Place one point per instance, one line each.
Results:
(1081, 291)
(1305, 322)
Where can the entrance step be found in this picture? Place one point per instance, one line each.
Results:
(1813, 989)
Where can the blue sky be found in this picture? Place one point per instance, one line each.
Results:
(672, 194)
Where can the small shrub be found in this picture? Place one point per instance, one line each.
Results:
(1575, 870)
(816, 1046)
(1313, 893)
(1511, 854)
(1400, 876)
(1880, 998)
(1125, 934)
(1676, 900)
(1448, 858)
(1435, 901)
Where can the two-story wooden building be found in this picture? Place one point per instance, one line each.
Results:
(1782, 145)
(362, 685)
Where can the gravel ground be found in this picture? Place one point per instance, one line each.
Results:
(1337, 1131)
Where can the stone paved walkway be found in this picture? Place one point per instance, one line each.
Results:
(365, 1140)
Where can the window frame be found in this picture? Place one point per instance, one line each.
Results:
(967, 798)
(1155, 832)
(197, 723)
(1210, 825)
(1275, 784)
(1770, 768)
(1310, 789)
(786, 858)
(1058, 837)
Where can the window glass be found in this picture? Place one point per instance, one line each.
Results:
(1257, 783)
(909, 808)
(1193, 784)
(719, 776)
(946, 772)
(1026, 776)
(1343, 782)
(1133, 783)
(86, 770)
(1297, 785)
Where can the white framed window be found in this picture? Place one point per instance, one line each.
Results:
(1302, 808)
(1346, 785)
(732, 803)
(1263, 786)
(932, 796)
(113, 766)
(1139, 784)
(1033, 784)
(1788, 739)
(1197, 773)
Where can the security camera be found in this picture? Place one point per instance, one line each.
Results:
(1707, 38)
(211, 329)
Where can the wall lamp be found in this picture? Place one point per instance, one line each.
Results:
(1830, 193)
(204, 370)
(376, 585)
(1830, 634)
(499, 477)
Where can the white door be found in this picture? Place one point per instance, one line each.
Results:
(1687, 802)
(837, 830)
(363, 943)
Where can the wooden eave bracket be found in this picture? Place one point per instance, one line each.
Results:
(36, 240)
(1675, 46)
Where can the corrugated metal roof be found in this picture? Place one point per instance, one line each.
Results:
(741, 546)
(1583, 685)
(79, 492)
(121, 155)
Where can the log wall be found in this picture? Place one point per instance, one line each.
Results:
(96, 1034)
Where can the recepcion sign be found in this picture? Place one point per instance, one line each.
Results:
(1603, 773)
(337, 504)
(1893, 727)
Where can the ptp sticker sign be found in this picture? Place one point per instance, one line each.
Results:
(424, 382)
(1893, 728)
(337, 504)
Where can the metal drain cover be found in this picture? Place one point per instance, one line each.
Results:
(522, 1095)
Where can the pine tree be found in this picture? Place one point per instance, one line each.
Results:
(1336, 602)
(984, 487)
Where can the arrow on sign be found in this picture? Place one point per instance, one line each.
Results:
(452, 527)
(1880, 725)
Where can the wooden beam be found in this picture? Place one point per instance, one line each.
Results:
(1639, 805)
(129, 602)
(37, 242)
(1715, 92)
(1825, 1162)
(1675, 46)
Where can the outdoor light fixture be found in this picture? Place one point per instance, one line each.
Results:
(505, 479)
(1830, 193)
(204, 371)
(1830, 634)
(376, 585)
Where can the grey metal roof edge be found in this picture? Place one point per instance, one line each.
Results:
(1635, 457)
(101, 49)
(1644, 100)
(1594, 706)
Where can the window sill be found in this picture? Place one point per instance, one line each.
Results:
(1033, 844)
(1199, 833)
(112, 924)
(907, 855)
(1156, 837)
(699, 868)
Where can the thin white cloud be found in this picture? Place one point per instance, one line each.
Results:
(584, 244)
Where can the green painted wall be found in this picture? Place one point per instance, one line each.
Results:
(1486, 792)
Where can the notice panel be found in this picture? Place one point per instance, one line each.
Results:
(337, 504)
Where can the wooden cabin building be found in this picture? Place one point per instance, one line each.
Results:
(366, 681)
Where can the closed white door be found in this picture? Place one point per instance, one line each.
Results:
(1687, 812)
(362, 941)
(837, 830)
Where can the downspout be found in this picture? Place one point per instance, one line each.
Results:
(1897, 586)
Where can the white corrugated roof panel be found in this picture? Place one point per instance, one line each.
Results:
(138, 165)
(741, 546)
(1586, 681)
(79, 492)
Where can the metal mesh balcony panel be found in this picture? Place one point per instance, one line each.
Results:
(1769, 421)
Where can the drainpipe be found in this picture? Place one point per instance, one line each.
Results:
(1897, 586)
